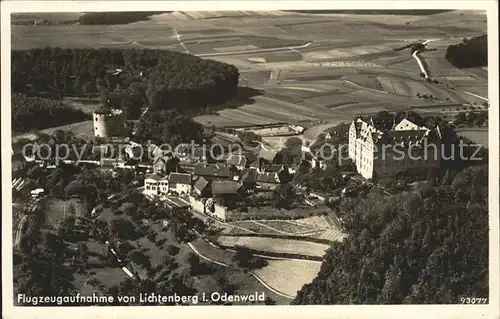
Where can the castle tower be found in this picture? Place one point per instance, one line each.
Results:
(108, 123)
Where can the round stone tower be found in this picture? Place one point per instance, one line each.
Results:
(108, 123)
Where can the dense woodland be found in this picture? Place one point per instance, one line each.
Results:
(469, 53)
(35, 113)
(425, 246)
(169, 127)
(159, 79)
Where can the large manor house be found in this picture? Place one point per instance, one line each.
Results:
(382, 148)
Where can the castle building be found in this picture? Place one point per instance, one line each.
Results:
(109, 123)
(382, 148)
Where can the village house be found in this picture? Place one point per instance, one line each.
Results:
(165, 164)
(213, 171)
(241, 161)
(156, 185)
(249, 178)
(152, 185)
(202, 187)
(268, 181)
(226, 192)
(272, 157)
(180, 183)
(258, 164)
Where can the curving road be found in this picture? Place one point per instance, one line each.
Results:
(250, 272)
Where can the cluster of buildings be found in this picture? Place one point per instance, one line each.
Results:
(382, 148)
(224, 178)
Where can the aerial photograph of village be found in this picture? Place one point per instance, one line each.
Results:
(250, 158)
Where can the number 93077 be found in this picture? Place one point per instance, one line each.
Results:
(473, 301)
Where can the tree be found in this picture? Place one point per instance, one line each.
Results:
(66, 226)
(245, 258)
(123, 229)
(284, 195)
(269, 301)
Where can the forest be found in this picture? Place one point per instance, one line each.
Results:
(469, 53)
(35, 113)
(110, 18)
(163, 79)
(427, 246)
(169, 127)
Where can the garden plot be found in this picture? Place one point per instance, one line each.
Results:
(56, 209)
(256, 228)
(288, 276)
(314, 221)
(276, 245)
(287, 227)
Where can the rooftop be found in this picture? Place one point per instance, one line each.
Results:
(268, 178)
(201, 183)
(216, 170)
(180, 178)
(225, 187)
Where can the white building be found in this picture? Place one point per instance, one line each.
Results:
(179, 183)
(383, 148)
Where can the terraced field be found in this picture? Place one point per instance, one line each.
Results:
(275, 245)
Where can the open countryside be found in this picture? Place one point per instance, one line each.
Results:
(276, 217)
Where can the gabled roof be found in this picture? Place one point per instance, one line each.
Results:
(268, 155)
(154, 177)
(273, 168)
(163, 159)
(268, 178)
(201, 184)
(225, 187)
(216, 170)
(259, 163)
(180, 178)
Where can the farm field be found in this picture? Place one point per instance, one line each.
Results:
(288, 276)
(82, 129)
(478, 135)
(275, 245)
(306, 73)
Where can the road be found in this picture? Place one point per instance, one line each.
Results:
(475, 95)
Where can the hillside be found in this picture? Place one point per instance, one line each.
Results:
(425, 246)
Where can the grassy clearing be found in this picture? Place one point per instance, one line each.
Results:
(288, 276)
